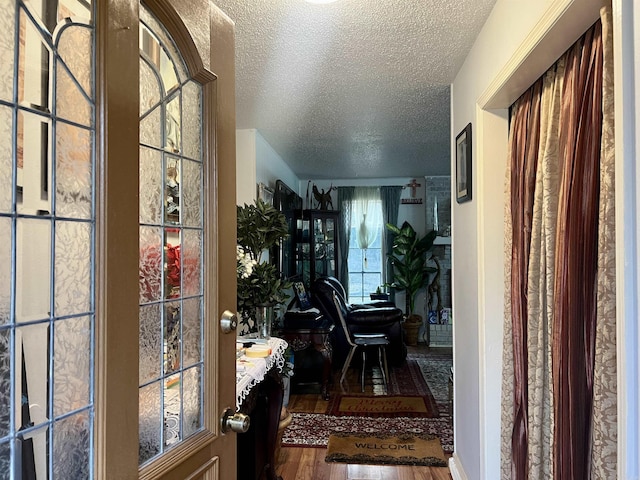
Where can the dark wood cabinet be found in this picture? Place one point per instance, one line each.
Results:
(317, 245)
(256, 447)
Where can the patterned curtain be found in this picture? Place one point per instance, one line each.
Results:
(559, 239)
(605, 411)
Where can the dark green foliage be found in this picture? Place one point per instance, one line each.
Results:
(260, 227)
(409, 259)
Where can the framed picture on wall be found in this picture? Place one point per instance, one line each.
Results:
(463, 165)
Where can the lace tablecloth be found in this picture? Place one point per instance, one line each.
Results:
(251, 371)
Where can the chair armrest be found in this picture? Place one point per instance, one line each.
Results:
(373, 304)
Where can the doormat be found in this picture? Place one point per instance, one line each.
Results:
(314, 429)
(383, 406)
(403, 449)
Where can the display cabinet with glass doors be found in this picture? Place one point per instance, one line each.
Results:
(317, 245)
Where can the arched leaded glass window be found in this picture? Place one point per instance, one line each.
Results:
(47, 232)
(171, 245)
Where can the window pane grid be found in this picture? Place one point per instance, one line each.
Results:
(39, 364)
(171, 394)
(364, 275)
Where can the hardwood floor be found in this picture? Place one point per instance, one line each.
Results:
(298, 463)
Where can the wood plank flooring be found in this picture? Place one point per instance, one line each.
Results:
(299, 463)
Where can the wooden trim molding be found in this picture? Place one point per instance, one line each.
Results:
(185, 450)
(560, 26)
(117, 185)
(181, 18)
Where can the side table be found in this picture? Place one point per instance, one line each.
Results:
(317, 338)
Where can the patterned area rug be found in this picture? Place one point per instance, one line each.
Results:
(383, 406)
(425, 374)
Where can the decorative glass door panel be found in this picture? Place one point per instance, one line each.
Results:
(171, 245)
(47, 228)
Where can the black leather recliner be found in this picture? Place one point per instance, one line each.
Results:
(377, 317)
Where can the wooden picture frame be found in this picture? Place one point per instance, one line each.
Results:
(463, 165)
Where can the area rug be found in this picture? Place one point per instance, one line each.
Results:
(381, 406)
(436, 370)
(386, 450)
(314, 429)
(408, 380)
(426, 373)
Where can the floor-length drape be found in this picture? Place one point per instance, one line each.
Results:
(344, 200)
(524, 149)
(507, 394)
(553, 228)
(605, 412)
(390, 196)
(541, 273)
(577, 256)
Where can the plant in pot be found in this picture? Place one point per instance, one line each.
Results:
(260, 286)
(379, 294)
(409, 256)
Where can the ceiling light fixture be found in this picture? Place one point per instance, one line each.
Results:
(320, 1)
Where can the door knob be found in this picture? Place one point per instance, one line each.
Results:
(234, 422)
(228, 322)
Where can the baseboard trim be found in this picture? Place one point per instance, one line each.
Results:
(457, 472)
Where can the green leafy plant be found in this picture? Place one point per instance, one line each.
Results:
(409, 257)
(259, 227)
(262, 287)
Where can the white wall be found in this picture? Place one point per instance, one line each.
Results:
(271, 167)
(245, 166)
(257, 162)
(519, 41)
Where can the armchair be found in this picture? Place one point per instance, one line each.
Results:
(367, 318)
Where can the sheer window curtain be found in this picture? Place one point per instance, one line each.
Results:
(559, 231)
(361, 208)
(366, 216)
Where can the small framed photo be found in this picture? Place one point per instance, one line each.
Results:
(302, 296)
(463, 165)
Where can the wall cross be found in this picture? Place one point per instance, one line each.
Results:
(413, 185)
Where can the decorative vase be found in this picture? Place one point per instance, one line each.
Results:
(264, 320)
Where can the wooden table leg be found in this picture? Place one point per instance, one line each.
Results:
(325, 351)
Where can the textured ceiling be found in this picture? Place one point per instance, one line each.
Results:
(356, 88)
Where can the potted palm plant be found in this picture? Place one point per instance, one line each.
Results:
(409, 256)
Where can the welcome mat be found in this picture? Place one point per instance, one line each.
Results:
(386, 450)
(394, 405)
(314, 429)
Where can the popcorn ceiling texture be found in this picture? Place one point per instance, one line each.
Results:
(356, 88)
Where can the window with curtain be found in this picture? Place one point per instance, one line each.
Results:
(365, 244)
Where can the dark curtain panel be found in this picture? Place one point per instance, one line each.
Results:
(345, 196)
(390, 197)
(572, 342)
(524, 139)
(576, 256)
